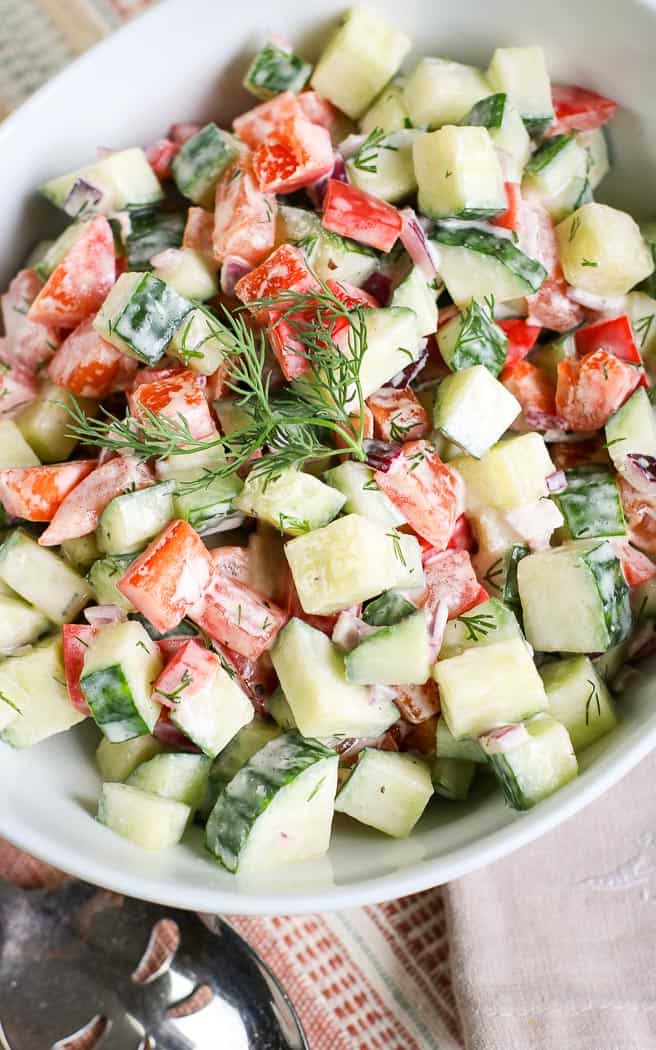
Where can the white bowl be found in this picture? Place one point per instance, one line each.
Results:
(184, 61)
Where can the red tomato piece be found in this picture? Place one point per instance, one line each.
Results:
(176, 397)
(85, 363)
(417, 703)
(125, 374)
(79, 512)
(82, 281)
(17, 384)
(533, 388)
(244, 217)
(198, 233)
(590, 389)
(169, 734)
(154, 375)
(398, 415)
(182, 132)
(170, 577)
(296, 154)
(615, 335)
(426, 491)
(326, 624)
(28, 343)
(350, 295)
(285, 270)
(577, 109)
(421, 737)
(218, 383)
(258, 124)
(35, 493)
(637, 567)
(76, 638)
(232, 614)
(160, 157)
(550, 306)
(233, 562)
(509, 220)
(521, 337)
(318, 110)
(450, 578)
(462, 537)
(188, 673)
(640, 513)
(367, 431)
(361, 216)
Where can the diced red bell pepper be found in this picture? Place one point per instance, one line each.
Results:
(550, 306)
(361, 216)
(640, 513)
(76, 639)
(450, 579)
(417, 703)
(232, 614)
(615, 335)
(462, 537)
(591, 388)
(258, 124)
(35, 493)
(176, 397)
(183, 131)
(509, 220)
(637, 567)
(350, 295)
(244, 217)
(18, 386)
(170, 577)
(79, 512)
(29, 344)
(187, 673)
(198, 233)
(85, 363)
(160, 156)
(426, 491)
(318, 110)
(80, 284)
(398, 415)
(354, 421)
(521, 337)
(577, 109)
(285, 270)
(533, 388)
(296, 154)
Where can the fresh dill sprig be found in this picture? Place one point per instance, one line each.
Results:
(366, 159)
(478, 625)
(593, 697)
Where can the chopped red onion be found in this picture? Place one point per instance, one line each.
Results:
(350, 145)
(414, 240)
(231, 521)
(317, 190)
(83, 199)
(640, 471)
(183, 131)
(556, 482)
(407, 375)
(380, 454)
(350, 629)
(544, 422)
(380, 286)
(170, 734)
(232, 270)
(505, 738)
(102, 615)
(436, 625)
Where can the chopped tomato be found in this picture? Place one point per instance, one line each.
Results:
(296, 154)
(182, 132)
(326, 624)
(160, 157)
(285, 270)
(80, 284)
(350, 295)
(233, 562)
(288, 349)
(534, 390)
(170, 577)
(509, 220)
(426, 491)
(354, 423)
(615, 335)
(176, 397)
(217, 383)
(450, 578)
(79, 512)
(421, 737)
(35, 493)
(590, 389)
(436, 367)
(166, 731)
(417, 703)
(521, 337)
(125, 374)
(170, 645)
(258, 124)
(361, 216)
(640, 514)
(17, 384)
(154, 375)
(76, 639)
(198, 233)
(244, 217)
(577, 109)
(462, 537)
(318, 110)
(191, 670)
(29, 343)
(637, 567)
(550, 306)
(232, 614)
(398, 415)
(85, 362)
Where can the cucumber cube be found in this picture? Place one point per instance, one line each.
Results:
(322, 701)
(386, 791)
(557, 175)
(150, 234)
(385, 167)
(125, 180)
(140, 316)
(477, 264)
(20, 624)
(521, 72)
(394, 655)
(188, 273)
(33, 687)
(212, 716)
(8, 713)
(116, 761)
(81, 552)
(14, 449)
(129, 521)
(294, 502)
(472, 338)
(390, 608)
(359, 60)
(632, 429)
(248, 741)
(489, 685)
(206, 504)
(356, 481)
(45, 422)
(488, 623)
(537, 759)
(388, 112)
(42, 578)
(441, 92)
(591, 504)
(507, 131)
(595, 145)
(579, 699)
(392, 341)
(275, 69)
(602, 250)
(119, 668)
(103, 576)
(574, 598)
(281, 712)
(459, 174)
(201, 161)
(474, 409)
(145, 819)
(510, 475)
(180, 777)
(416, 294)
(498, 573)
(200, 342)
(448, 747)
(452, 777)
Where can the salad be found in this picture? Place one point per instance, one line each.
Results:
(328, 454)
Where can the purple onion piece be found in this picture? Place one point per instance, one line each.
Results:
(380, 286)
(556, 482)
(416, 244)
(380, 454)
(640, 471)
(543, 421)
(83, 199)
(317, 191)
(233, 269)
(403, 379)
(101, 615)
(436, 625)
(505, 738)
(349, 146)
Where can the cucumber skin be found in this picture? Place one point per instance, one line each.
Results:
(591, 505)
(614, 591)
(547, 153)
(488, 113)
(150, 319)
(500, 248)
(388, 610)
(108, 695)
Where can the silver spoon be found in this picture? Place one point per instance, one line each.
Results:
(81, 967)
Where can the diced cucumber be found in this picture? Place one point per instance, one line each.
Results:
(129, 521)
(275, 69)
(477, 264)
(280, 711)
(140, 316)
(278, 809)
(556, 175)
(441, 92)
(329, 255)
(294, 502)
(34, 686)
(232, 415)
(181, 777)
(116, 761)
(394, 655)
(206, 505)
(474, 409)
(407, 551)
(579, 700)
(149, 821)
(472, 338)
(20, 624)
(414, 293)
(14, 449)
(540, 761)
(521, 72)
(188, 273)
(42, 578)
(103, 576)
(125, 179)
(249, 740)
(384, 165)
(489, 685)
(185, 629)
(488, 623)
(151, 233)
(591, 504)
(510, 475)
(644, 600)
(363, 497)
(386, 791)
(388, 112)
(120, 666)
(447, 746)
(507, 131)
(609, 664)
(392, 342)
(45, 422)
(498, 573)
(323, 703)
(548, 356)
(632, 429)
(212, 716)
(360, 58)
(390, 608)
(347, 562)
(36, 256)
(459, 174)
(594, 144)
(8, 713)
(602, 250)
(574, 598)
(81, 552)
(59, 249)
(199, 342)
(201, 161)
(452, 777)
